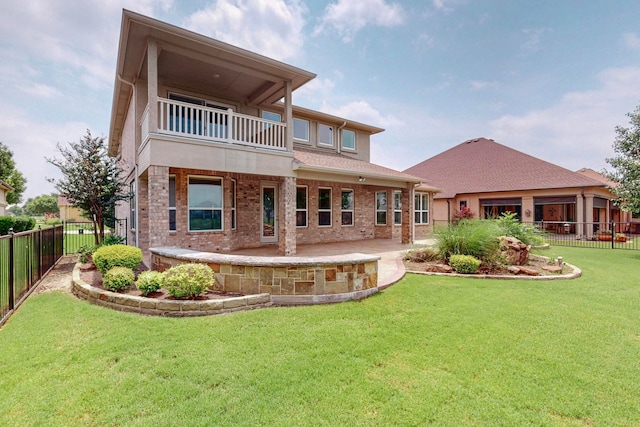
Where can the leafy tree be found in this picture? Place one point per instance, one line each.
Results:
(42, 205)
(10, 175)
(626, 164)
(16, 210)
(92, 181)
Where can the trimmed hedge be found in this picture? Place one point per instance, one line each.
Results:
(18, 223)
(464, 264)
(107, 257)
(149, 282)
(118, 279)
(188, 280)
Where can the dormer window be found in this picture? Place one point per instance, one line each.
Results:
(325, 135)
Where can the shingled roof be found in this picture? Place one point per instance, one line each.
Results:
(334, 162)
(482, 165)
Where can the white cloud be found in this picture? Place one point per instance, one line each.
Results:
(578, 130)
(631, 40)
(273, 28)
(481, 85)
(533, 38)
(424, 41)
(348, 17)
(318, 88)
(40, 90)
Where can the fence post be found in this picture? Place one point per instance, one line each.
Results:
(613, 234)
(11, 271)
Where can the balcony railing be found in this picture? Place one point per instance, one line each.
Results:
(184, 119)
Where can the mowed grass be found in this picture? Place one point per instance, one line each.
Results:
(428, 350)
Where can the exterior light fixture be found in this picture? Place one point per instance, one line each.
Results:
(362, 179)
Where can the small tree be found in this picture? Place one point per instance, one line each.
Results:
(42, 205)
(626, 164)
(10, 175)
(92, 180)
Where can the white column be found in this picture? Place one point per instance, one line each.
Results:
(288, 115)
(152, 85)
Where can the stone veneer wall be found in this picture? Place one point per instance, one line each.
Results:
(289, 280)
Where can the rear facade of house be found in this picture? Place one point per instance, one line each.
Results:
(219, 159)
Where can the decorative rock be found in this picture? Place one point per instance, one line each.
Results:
(552, 268)
(516, 252)
(528, 271)
(439, 268)
(513, 269)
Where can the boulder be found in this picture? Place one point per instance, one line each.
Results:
(516, 252)
(439, 268)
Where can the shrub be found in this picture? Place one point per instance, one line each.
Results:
(512, 227)
(149, 282)
(118, 279)
(188, 280)
(86, 252)
(423, 255)
(107, 257)
(23, 223)
(464, 264)
(478, 238)
(111, 239)
(6, 222)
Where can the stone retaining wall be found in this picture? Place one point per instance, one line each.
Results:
(161, 307)
(289, 280)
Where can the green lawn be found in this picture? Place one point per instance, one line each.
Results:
(428, 350)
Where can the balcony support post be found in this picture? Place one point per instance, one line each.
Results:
(152, 85)
(288, 116)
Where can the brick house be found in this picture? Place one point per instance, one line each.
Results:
(490, 178)
(220, 159)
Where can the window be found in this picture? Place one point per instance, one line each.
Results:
(324, 207)
(348, 139)
(301, 206)
(421, 212)
(397, 207)
(381, 208)
(274, 117)
(325, 135)
(300, 130)
(347, 207)
(233, 204)
(172, 203)
(132, 203)
(205, 204)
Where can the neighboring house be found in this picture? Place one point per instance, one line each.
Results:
(4, 189)
(68, 212)
(220, 159)
(490, 178)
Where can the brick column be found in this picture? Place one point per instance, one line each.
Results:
(407, 215)
(287, 229)
(158, 205)
(142, 213)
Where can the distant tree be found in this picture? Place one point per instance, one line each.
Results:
(626, 164)
(92, 181)
(16, 210)
(10, 175)
(42, 205)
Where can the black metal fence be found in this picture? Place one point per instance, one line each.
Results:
(25, 258)
(604, 235)
(78, 234)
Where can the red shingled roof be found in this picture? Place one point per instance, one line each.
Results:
(327, 161)
(590, 173)
(482, 165)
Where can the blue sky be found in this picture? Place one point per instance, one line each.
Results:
(549, 78)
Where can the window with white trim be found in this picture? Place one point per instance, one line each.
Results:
(301, 130)
(325, 135)
(324, 207)
(301, 206)
(269, 115)
(347, 207)
(233, 204)
(172, 203)
(205, 204)
(397, 208)
(381, 208)
(348, 139)
(421, 209)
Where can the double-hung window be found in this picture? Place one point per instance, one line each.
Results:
(347, 207)
(381, 208)
(301, 206)
(324, 207)
(132, 204)
(172, 203)
(233, 204)
(205, 204)
(421, 208)
(397, 208)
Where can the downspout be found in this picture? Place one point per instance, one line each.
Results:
(339, 143)
(448, 211)
(135, 162)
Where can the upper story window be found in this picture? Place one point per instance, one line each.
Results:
(301, 130)
(348, 139)
(274, 117)
(325, 135)
(205, 204)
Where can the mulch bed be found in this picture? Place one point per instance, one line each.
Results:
(90, 275)
(534, 263)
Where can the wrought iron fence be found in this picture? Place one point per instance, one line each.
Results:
(78, 234)
(604, 235)
(25, 258)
